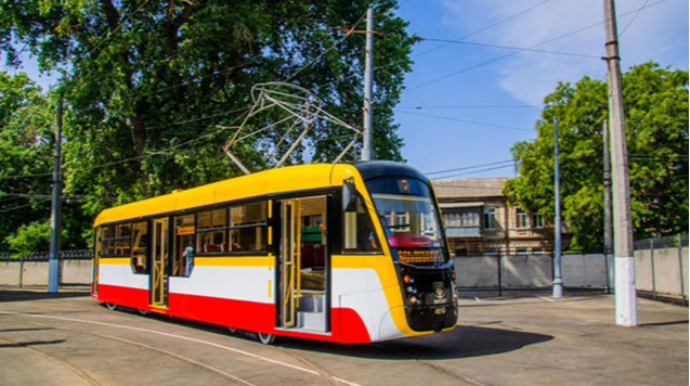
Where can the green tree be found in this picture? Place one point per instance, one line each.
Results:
(25, 149)
(26, 162)
(149, 83)
(656, 109)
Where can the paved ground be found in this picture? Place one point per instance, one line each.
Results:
(69, 339)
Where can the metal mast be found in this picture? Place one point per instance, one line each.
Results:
(367, 148)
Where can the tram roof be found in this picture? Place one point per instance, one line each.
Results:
(264, 183)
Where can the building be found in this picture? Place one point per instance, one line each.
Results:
(479, 220)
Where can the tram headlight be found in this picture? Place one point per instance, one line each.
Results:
(413, 300)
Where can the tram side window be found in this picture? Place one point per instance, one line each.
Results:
(183, 255)
(116, 240)
(248, 228)
(360, 235)
(140, 244)
(211, 231)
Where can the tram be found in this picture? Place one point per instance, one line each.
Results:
(333, 252)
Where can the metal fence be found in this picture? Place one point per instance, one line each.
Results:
(662, 242)
(73, 254)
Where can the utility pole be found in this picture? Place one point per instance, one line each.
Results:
(557, 271)
(55, 215)
(608, 235)
(367, 148)
(626, 297)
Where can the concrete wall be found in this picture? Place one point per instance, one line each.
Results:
(660, 271)
(528, 271)
(9, 273)
(76, 272)
(476, 271)
(36, 272)
(584, 270)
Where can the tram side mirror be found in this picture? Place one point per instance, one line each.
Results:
(349, 196)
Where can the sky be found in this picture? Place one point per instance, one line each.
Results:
(469, 101)
(466, 105)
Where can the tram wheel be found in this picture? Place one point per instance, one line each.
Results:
(111, 306)
(143, 312)
(266, 339)
(232, 330)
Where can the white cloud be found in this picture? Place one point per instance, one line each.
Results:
(659, 32)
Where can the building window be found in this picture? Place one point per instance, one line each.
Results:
(538, 220)
(470, 219)
(521, 219)
(461, 219)
(490, 218)
(450, 220)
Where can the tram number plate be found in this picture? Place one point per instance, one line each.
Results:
(440, 311)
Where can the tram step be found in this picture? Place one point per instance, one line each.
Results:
(311, 321)
(312, 303)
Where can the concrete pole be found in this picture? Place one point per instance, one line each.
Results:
(557, 271)
(367, 148)
(626, 296)
(55, 215)
(608, 230)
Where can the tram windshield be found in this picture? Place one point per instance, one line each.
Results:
(410, 220)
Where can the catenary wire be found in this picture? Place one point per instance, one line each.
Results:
(620, 34)
(473, 172)
(470, 167)
(467, 121)
(495, 59)
(525, 49)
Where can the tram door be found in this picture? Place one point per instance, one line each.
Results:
(159, 278)
(289, 250)
(303, 264)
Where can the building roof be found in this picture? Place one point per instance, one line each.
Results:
(469, 188)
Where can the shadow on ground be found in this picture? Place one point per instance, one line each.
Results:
(19, 295)
(463, 342)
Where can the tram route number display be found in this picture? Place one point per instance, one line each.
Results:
(416, 256)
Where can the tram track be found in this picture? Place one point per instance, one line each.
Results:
(89, 379)
(315, 369)
(325, 373)
(145, 346)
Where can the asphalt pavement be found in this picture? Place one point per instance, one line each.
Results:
(70, 339)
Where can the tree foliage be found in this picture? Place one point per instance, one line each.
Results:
(656, 111)
(26, 161)
(25, 149)
(148, 83)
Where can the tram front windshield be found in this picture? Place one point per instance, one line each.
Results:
(410, 220)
